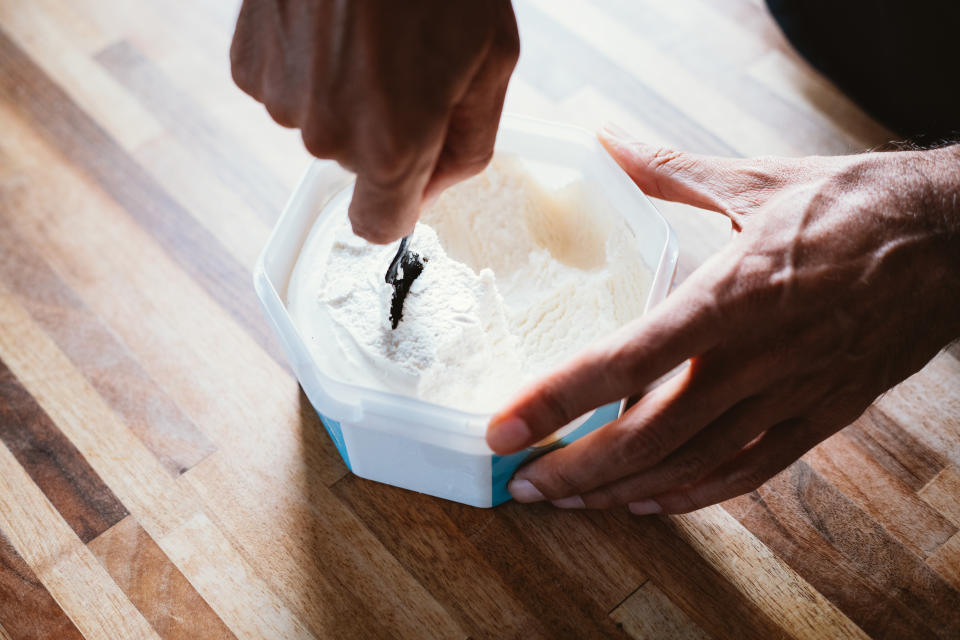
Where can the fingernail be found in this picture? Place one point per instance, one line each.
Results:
(616, 131)
(572, 502)
(644, 507)
(524, 491)
(510, 435)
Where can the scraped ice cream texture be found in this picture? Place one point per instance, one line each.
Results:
(517, 279)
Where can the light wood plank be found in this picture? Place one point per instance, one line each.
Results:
(711, 109)
(219, 209)
(49, 44)
(927, 406)
(232, 587)
(115, 453)
(152, 496)
(53, 463)
(648, 613)
(63, 564)
(946, 561)
(154, 585)
(794, 81)
(26, 607)
(762, 577)
(943, 494)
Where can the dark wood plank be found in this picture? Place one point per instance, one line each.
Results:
(580, 551)
(555, 597)
(99, 355)
(234, 165)
(27, 610)
(154, 584)
(681, 573)
(902, 455)
(63, 125)
(894, 505)
(414, 528)
(53, 463)
(884, 588)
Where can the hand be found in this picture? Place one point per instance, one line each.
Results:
(406, 94)
(843, 279)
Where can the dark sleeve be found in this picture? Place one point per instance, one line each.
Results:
(900, 60)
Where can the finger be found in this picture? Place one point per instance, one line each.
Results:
(770, 454)
(714, 445)
(624, 363)
(472, 129)
(725, 185)
(657, 425)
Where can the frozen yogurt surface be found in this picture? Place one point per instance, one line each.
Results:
(517, 278)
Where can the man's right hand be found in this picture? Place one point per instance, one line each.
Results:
(408, 95)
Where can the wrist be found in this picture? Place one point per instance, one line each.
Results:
(941, 201)
(915, 205)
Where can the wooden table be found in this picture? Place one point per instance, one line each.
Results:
(162, 475)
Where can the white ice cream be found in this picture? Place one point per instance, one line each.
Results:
(518, 280)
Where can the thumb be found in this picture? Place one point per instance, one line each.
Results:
(714, 183)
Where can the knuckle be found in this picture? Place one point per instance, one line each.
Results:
(747, 479)
(624, 493)
(241, 75)
(689, 468)
(477, 160)
(555, 404)
(509, 48)
(642, 448)
(242, 67)
(392, 169)
(316, 140)
(621, 364)
(679, 502)
(558, 482)
(603, 499)
(466, 162)
(670, 159)
(281, 113)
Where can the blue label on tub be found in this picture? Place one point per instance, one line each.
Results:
(504, 466)
(333, 428)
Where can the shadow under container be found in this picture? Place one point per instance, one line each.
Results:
(414, 444)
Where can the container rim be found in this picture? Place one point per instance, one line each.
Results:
(429, 415)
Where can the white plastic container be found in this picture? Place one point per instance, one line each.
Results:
(414, 444)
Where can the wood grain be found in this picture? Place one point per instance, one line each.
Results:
(61, 562)
(53, 463)
(179, 114)
(69, 129)
(887, 589)
(26, 607)
(903, 513)
(943, 493)
(162, 475)
(154, 585)
(946, 561)
(649, 613)
(96, 351)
